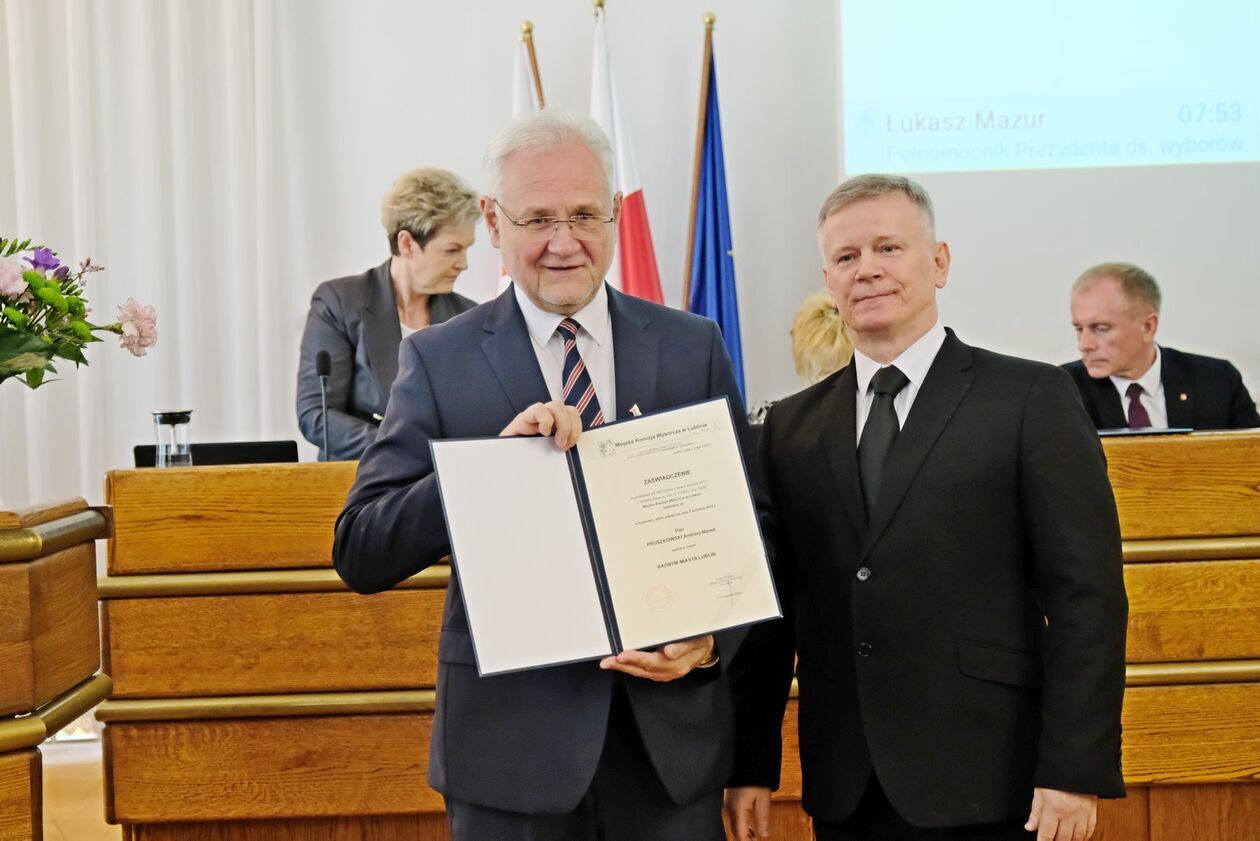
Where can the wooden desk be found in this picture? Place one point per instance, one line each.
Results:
(49, 646)
(247, 704)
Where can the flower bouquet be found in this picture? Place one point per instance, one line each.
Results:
(43, 314)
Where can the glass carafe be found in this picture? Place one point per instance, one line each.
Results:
(171, 429)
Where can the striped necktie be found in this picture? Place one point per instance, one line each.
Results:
(579, 391)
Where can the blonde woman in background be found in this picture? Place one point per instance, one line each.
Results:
(429, 217)
(820, 345)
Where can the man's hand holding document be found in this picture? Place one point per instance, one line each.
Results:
(642, 534)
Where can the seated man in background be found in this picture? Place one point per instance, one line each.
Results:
(1126, 380)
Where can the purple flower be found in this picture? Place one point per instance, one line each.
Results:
(86, 266)
(61, 272)
(139, 327)
(43, 260)
(11, 283)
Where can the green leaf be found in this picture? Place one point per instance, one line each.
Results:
(34, 377)
(10, 247)
(71, 350)
(22, 352)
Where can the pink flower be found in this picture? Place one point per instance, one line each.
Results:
(139, 327)
(11, 283)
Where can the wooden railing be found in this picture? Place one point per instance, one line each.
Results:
(49, 646)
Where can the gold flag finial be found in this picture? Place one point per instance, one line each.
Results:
(527, 28)
(599, 4)
(709, 19)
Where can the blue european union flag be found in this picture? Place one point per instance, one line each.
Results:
(712, 266)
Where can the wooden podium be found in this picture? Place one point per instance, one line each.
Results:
(49, 646)
(255, 697)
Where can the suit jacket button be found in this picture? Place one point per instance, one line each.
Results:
(864, 649)
(863, 574)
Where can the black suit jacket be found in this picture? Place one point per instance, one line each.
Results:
(529, 741)
(355, 319)
(968, 642)
(1200, 392)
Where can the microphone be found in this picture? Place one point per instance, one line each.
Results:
(323, 367)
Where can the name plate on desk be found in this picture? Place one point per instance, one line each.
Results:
(642, 534)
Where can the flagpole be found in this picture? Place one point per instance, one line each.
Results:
(527, 35)
(709, 20)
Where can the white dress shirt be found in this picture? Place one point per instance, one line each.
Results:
(1152, 396)
(914, 362)
(594, 343)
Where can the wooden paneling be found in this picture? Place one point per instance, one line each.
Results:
(790, 770)
(1205, 813)
(1192, 734)
(386, 828)
(66, 637)
(254, 644)
(1125, 819)
(17, 690)
(21, 818)
(48, 633)
(788, 822)
(1205, 610)
(1186, 486)
(1118, 820)
(232, 769)
(272, 516)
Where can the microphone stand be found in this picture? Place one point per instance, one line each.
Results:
(323, 409)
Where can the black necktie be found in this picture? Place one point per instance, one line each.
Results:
(1138, 417)
(880, 432)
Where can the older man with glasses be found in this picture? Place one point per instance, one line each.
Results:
(637, 746)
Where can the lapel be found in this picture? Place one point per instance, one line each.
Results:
(944, 386)
(838, 437)
(1111, 411)
(510, 353)
(636, 354)
(1172, 375)
(381, 330)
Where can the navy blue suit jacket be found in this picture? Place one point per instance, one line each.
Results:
(1200, 392)
(529, 741)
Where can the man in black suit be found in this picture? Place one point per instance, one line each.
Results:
(1127, 380)
(633, 748)
(948, 556)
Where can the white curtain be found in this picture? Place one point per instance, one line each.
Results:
(154, 137)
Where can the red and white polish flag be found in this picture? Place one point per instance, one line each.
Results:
(634, 268)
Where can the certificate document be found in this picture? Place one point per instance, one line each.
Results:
(642, 534)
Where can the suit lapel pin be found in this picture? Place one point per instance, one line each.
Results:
(635, 412)
(1183, 397)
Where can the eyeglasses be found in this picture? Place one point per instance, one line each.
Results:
(584, 226)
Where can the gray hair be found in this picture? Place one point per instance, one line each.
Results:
(871, 186)
(544, 130)
(1137, 284)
